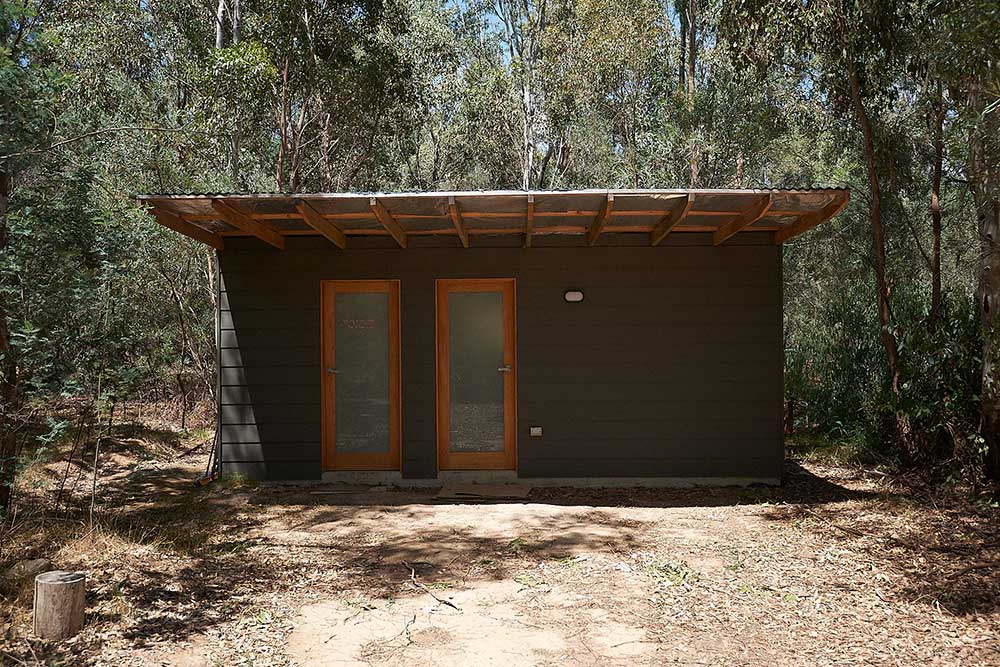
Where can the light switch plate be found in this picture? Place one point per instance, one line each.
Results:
(535, 431)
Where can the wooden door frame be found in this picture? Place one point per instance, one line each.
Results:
(331, 461)
(507, 459)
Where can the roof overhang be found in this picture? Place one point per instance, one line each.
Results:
(210, 218)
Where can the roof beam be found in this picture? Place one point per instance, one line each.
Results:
(390, 224)
(181, 226)
(810, 220)
(602, 217)
(244, 222)
(368, 215)
(745, 219)
(670, 220)
(315, 219)
(529, 221)
(456, 219)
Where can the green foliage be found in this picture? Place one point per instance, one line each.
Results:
(103, 99)
(667, 573)
(834, 364)
(941, 394)
(83, 294)
(835, 375)
(30, 84)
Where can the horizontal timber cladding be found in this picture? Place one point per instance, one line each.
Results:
(671, 366)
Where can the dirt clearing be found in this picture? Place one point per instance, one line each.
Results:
(838, 567)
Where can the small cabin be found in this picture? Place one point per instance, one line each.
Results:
(604, 337)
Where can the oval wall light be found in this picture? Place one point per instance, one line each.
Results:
(573, 296)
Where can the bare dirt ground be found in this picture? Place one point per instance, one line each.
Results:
(837, 567)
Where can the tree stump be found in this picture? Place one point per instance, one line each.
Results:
(59, 604)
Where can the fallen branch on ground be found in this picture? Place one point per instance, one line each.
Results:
(413, 578)
(974, 566)
(846, 529)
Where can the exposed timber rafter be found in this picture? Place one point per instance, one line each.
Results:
(315, 219)
(456, 219)
(655, 214)
(390, 224)
(529, 221)
(181, 226)
(745, 219)
(245, 223)
(810, 220)
(671, 220)
(597, 226)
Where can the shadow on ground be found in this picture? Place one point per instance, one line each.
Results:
(799, 485)
(223, 552)
(942, 547)
(236, 546)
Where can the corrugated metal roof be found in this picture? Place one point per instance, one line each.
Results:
(440, 193)
(785, 212)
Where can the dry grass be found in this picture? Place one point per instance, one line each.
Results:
(839, 566)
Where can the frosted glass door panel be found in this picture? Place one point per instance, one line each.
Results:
(476, 374)
(362, 372)
(476, 380)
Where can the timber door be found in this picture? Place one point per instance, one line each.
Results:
(476, 375)
(361, 388)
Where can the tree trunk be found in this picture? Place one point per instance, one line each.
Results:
(524, 25)
(984, 175)
(297, 131)
(220, 32)
(236, 20)
(236, 16)
(692, 47)
(528, 135)
(544, 165)
(283, 129)
(935, 314)
(989, 304)
(682, 65)
(326, 147)
(236, 137)
(878, 233)
(8, 368)
(692, 39)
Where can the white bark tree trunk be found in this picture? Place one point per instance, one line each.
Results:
(220, 17)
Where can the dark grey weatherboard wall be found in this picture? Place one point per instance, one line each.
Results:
(672, 366)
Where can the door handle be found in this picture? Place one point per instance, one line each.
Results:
(332, 370)
(504, 369)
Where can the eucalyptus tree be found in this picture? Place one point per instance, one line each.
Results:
(621, 56)
(436, 43)
(29, 90)
(688, 18)
(966, 39)
(850, 50)
(872, 61)
(336, 84)
(466, 129)
(524, 24)
(86, 113)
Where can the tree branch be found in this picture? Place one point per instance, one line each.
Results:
(87, 135)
